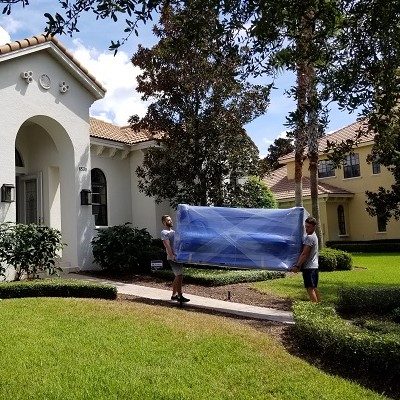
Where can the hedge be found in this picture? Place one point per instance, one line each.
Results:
(367, 246)
(56, 288)
(332, 260)
(219, 277)
(338, 343)
(379, 300)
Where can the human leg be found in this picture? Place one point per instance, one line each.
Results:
(310, 278)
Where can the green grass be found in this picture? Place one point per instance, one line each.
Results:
(97, 349)
(373, 269)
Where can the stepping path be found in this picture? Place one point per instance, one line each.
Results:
(205, 303)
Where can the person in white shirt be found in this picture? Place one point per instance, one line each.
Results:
(308, 260)
(167, 236)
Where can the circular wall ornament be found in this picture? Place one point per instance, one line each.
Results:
(44, 81)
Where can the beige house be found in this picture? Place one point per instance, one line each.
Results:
(341, 191)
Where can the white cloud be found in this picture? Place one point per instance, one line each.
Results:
(10, 24)
(4, 36)
(118, 76)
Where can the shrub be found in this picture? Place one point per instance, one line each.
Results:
(367, 246)
(327, 260)
(30, 248)
(123, 248)
(396, 315)
(331, 260)
(379, 300)
(321, 333)
(56, 288)
(219, 277)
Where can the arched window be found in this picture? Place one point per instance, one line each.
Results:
(99, 197)
(341, 220)
(18, 159)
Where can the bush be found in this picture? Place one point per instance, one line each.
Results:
(219, 277)
(321, 333)
(367, 246)
(30, 248)
(327, 260)
(331, 260)
(123, 248)
(380, 300)
(396, 315)
(56, 288)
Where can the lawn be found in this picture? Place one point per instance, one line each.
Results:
(371, 269)
(97, 349)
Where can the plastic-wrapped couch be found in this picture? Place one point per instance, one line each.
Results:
(239, 237)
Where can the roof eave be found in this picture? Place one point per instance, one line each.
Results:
(97, 91)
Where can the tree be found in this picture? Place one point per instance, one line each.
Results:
(365, 74)
(279, 148)
(255, 194)
(200, 106)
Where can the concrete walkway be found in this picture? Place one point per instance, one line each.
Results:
(204, 303)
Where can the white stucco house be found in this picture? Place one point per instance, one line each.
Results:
(51, 151)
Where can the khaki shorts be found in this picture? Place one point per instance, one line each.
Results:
(177, 268)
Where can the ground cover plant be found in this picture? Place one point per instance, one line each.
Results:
(363, 343)
(217, 277)
(97, 349)
(372, 269)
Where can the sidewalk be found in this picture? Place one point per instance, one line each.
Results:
(205, 303)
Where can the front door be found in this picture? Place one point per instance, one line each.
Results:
(31, 199)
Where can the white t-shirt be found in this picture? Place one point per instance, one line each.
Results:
(312, 261)
(168, 234)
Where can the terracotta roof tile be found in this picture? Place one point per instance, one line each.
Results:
(38, 39)
(125, 134)
(284, 188)
(348, 132)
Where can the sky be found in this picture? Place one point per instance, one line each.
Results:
(118, 75)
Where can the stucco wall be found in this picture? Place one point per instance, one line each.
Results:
(65, 118)
(119, 200)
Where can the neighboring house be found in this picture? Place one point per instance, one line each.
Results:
(52, 153)
(341, 191)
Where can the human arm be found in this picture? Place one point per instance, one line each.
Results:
(305, 254)
(168, 248)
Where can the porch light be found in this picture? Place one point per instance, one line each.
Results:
(7, 193)
(86, 197)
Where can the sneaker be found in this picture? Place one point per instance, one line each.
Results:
(182, 299)
(175, 298)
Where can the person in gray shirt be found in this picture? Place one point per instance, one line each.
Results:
(167, 236)
(308, 260)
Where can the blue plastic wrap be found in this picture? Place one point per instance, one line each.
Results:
(239, 237)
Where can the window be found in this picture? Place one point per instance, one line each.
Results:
(341, 220)
(99, 197)
(325, 169)
(351, 166)
(376, 167)
(381, 223)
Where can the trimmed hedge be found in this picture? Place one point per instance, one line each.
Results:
(367, 246)
(56, 288)
(332, 260)
(219, 277)
(359, 353)
(379, 300)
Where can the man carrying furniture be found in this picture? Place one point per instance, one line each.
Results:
(308, 260)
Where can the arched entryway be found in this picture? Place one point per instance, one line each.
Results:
(44, 169)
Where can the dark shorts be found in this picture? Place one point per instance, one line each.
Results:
(177, 268)
(310, 278)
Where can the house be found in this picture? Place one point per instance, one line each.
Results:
(341, 191)
(53, 156)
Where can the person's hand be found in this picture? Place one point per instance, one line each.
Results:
(294, 268)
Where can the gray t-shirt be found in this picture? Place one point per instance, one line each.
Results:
(168, 235)
(312, 261)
